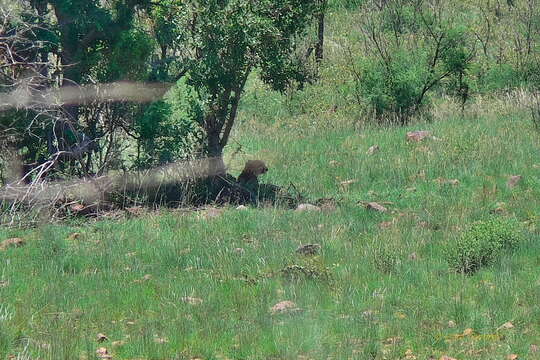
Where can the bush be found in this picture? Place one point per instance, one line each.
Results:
(482, 243)
(169, 129)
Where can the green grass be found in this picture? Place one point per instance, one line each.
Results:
(62, 292)
(368, 297)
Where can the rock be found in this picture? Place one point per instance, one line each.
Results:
(418, 135)
(192, 300)
(283, 307)
(443, 181)
(326, 204)
(513, 181)
(239, 251)
(307, 207)
(103, 353)
(386, 224)
(309, 249)
(376, 207)
(334, 163)
(159, 340)
(506, 326)
(12, 242)
(345, 184)
(373, 149)
(241, 207)
(102, 337)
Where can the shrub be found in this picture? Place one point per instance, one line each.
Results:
(169, 129)
(482, 243)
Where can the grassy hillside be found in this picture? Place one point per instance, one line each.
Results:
(201, 285)
(380, 288)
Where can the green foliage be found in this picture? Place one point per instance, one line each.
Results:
(169, 129)
(413, 48)
(482, 243)
(393, 89)
(134, 66)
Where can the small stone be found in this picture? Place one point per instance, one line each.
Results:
(239, 251)
(442, 181)
(373, 149)
(376, 207)
(513, 181)
(159, 340)
(418, 135)
(103, 353)
(307, 207)
(346, 183)
(192, 300)
(241, 207)
(102, 337)
(309, 249)
(284, 307)
(334, 163)
(506, 326)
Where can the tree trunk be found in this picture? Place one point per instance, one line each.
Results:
(320, 41)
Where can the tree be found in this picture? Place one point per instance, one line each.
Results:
(222, 41)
